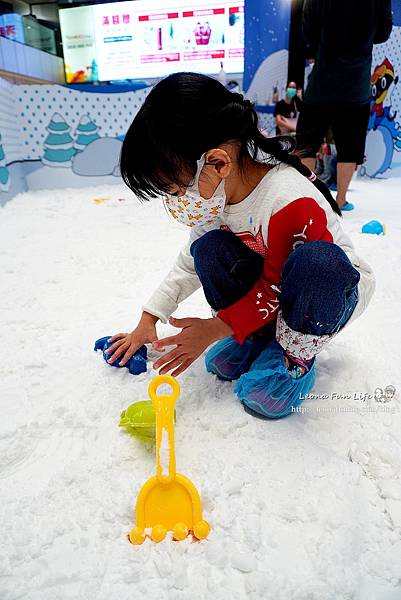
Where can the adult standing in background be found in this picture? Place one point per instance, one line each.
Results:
(339, 37)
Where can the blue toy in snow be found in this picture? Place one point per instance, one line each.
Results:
(374, 227)
(135, 365)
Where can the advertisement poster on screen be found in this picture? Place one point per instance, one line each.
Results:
(78, 35)
(152, 38)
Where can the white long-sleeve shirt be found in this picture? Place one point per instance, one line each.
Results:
(284, 210)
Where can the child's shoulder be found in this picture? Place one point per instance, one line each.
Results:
(284, 184)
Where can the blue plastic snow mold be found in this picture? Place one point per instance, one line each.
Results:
(229, 360)
(374, 227)
(268, 389)
(135, 365)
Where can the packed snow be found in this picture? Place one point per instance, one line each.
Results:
(304, 508)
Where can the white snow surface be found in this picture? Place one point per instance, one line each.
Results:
(304, 508)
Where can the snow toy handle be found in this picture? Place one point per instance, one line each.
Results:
(164, 411)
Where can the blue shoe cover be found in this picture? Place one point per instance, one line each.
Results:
(135, 365)
(229, 360)
(347, 207)
(268, 389)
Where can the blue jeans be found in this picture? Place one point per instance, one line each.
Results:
(319, 285)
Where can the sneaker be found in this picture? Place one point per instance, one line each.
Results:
(229, 360)
(297, 367)
(347, 207)
(269, 389)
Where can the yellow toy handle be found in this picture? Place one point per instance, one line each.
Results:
(164, 411)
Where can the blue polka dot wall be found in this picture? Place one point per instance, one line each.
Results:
(112, 113)
(10, 123)
(267, 124)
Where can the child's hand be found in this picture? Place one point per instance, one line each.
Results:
(126, 344)
(195, 337)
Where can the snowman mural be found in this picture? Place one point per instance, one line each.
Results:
(58, 144)
(86, 133)
(4, 172)
(384, 132)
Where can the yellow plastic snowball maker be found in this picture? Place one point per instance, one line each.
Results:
(168, 501)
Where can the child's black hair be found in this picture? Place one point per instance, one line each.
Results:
(185, 115)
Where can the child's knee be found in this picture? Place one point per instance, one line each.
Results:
(208, 242)
(321, 260)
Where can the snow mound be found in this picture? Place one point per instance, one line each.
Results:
(307, 508)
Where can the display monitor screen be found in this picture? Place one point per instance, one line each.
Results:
(151, 38)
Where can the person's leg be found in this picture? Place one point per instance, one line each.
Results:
(309, 162)
(319, 167)
(350, 125)
(333, 166)
(228, 269)
(325, 176)
(311, 128)
(319, 292)
(345, 172)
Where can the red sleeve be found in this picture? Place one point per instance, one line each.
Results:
(297, 223)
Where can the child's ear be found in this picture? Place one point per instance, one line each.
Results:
(220, 160)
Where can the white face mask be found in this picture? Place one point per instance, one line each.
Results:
(191, 208)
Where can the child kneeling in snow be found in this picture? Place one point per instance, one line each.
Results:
(266, 245)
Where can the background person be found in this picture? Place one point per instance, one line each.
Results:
(339, 36)
(287, 110)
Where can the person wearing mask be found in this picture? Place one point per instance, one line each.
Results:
(265, 244)
(287, 110)
(339, 37)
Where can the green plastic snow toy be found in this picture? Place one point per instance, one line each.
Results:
(139, 419)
